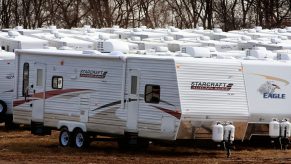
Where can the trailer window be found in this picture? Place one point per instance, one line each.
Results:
(57, 82)
(133, 85)
(25, 82)
(152, 94)
(39, 79)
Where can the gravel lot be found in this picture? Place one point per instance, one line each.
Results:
(23, 147)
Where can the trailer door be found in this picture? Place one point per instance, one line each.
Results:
(39, 93)
(133, 101)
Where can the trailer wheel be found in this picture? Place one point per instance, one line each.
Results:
(3, 107)
(81, 140)
(65, 138)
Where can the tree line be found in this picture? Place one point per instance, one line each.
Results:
(226, 14)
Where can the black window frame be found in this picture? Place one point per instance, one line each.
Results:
(152, 101)
(57, 79)
(25, 79)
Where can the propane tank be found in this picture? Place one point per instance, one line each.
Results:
(285, 128)
(217, 132)
(274, 128)
(229, 131)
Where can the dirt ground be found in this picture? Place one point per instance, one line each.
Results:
(23, 147)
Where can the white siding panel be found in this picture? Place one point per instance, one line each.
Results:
(212, 104)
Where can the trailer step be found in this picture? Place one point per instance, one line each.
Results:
(37, 128)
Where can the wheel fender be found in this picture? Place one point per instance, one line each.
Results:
(4, 105)
(71, 125)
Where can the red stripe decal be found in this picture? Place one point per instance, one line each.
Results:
(48, 94)
(171, 112)
(52, 93)
(19, 102)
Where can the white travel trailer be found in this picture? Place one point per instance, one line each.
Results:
(59, 40)
(148, 97)
(7, 70)
(13, 40)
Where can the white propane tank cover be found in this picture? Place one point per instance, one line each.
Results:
(274, 128)
(229, 131)
(217, 132)
(285, 128)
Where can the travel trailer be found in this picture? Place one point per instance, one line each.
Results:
(7, 70)
(14, 40)
(60, 40)
(148, 97)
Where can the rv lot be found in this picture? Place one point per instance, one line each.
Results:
(23, 147)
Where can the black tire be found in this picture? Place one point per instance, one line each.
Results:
(65, 137)
(3, 107)
(81, 139)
